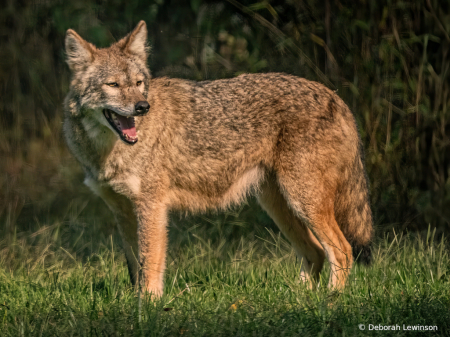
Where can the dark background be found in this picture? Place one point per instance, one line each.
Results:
(388, 60)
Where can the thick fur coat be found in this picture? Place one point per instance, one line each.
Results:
(151, 145)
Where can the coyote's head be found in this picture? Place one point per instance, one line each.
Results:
(110, 85)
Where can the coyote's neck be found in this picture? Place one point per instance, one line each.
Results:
(89, 144)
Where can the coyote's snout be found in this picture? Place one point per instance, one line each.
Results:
(121, 120)
(125, 125)
(207, 145)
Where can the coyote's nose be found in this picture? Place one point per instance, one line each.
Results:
(142, 107)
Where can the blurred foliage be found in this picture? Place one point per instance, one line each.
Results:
(387, 59)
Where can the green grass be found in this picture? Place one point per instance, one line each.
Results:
(248, 287)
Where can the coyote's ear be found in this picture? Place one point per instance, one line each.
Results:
(135, 43)
(79, 52)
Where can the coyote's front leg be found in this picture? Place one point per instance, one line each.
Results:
(122, 208)
(152, 245)
(128, 231)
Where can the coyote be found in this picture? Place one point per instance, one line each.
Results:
(149, 145)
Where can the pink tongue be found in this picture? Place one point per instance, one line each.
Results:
(127, 125)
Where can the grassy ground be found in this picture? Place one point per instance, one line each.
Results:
(247, 287)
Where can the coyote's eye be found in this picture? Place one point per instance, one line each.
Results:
(138, 83)
(112, 84)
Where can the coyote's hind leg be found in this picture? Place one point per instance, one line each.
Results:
(313, 201)
(308, 249)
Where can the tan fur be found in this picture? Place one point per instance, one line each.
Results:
(207, 145)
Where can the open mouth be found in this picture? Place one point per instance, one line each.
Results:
(124, 126)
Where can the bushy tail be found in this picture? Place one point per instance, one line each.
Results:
(362, 254)
(353, 212)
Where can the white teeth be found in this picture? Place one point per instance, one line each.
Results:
(113, 117)
(129, 137)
